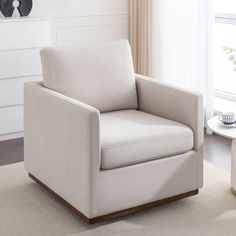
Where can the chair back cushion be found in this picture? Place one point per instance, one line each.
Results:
(99, 75)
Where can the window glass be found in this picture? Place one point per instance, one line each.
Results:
(225, 57)
(225, 6)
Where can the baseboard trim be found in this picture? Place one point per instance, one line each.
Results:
(16, 135)
(117, 214)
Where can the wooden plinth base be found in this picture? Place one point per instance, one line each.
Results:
(115, 214)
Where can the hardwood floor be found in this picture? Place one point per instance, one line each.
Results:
(216, 151)
(11, 151)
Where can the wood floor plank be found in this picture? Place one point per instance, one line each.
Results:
(11, 151)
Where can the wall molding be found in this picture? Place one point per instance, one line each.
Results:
(11, 136)
(21, 41)
(21, 77)
(61, 27)
(90, 15)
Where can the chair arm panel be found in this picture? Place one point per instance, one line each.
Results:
(173, 103)
(62, 144)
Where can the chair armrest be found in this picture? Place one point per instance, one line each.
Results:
(62, 144)
(173, 103)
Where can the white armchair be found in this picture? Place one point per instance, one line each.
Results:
(106, 142)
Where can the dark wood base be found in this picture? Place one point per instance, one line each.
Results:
(118, 213)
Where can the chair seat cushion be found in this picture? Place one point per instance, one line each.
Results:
(130, 137)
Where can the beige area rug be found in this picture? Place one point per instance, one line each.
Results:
(26, 209)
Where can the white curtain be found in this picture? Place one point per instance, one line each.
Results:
(181, 45)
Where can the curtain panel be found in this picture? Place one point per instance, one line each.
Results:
(140, 34)
(182, 45)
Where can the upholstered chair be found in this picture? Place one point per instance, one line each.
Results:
(106, 141)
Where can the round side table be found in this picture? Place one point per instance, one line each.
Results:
(230, 133)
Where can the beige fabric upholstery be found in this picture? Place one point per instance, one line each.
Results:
(176, 104)
(173, 103)
(131, 137)
(61, 143)
(101, 75)
(65, 137)
(63, 147)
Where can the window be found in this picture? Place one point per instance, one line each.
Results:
(225, 50)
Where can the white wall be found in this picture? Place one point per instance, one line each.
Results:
(76, 22)
(58, 8)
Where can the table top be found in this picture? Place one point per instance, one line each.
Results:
(216, 127)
